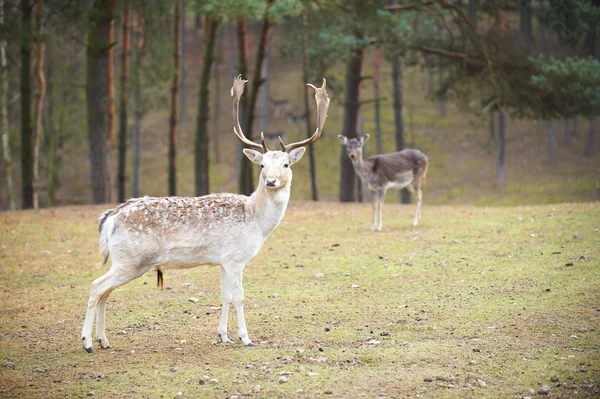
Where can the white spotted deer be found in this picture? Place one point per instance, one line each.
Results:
(217, 229)
(406, 168)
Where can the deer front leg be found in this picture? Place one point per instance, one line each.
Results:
(226, 300)
(238, 300)
(375, 210)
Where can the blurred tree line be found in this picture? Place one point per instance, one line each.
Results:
(57, 55)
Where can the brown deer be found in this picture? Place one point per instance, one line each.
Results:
(406, 168)
(217, 229)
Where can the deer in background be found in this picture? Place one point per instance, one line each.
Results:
(406, 168)
(217, 229)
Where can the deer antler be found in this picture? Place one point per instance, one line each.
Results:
(236, 92)
(322, 106)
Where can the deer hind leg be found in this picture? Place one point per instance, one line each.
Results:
(227, 297)
(419, 195)
(101, 289)
(381, 199)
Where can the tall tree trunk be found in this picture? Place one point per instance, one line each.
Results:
(397, 87)
(40, 82)
(263, 93)
(309, 130)
(97, 98)
(548, 123)
(173, 121)
(351, 106)
(376, 78)
(500, 170)
(202, 135)
(246, 181)
(112, 108)
(54, 125)
(137, 102)
(525, 21)
(245, 174)
(6, 150)
(182, 74)
(473, 10)
(122, 174)
(590, 148)
(217, 103)
(26, 128)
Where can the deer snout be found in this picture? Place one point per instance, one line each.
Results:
(271, 182)
(352, 155)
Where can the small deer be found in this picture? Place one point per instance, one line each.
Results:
(217, 229)
(406, 168)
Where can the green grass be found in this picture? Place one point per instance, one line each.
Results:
(473, 293)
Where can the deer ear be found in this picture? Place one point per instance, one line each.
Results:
(253, 156)
(364, 139)
(343, 139)
(296, 154)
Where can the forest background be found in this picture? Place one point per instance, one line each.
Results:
(105, 100)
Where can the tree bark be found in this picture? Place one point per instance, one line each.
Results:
(246, 180)
(26, 127)
(500, 170)
(242, 41)
(122, 175)
(202, 135)
(40, 82)
(173, 121)
(397, 87)
(217, 103)
(376, 78)
(309, 130)
(590, 148)
(351, 106)
(112, 109)
(6, 151)
(137, 102)
(97, 98)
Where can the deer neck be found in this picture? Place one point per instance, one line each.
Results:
(361, 166)
(270, 205)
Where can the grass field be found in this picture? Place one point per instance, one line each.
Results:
(475, 302)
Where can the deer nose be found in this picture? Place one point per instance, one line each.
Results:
(352, 156)
(271, 182)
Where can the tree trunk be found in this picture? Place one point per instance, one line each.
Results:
(263, 93)
(112, 109)
(473, 9)
(500, 173)
(568, 138)
(376, 78)
(182, 74)
(122, 175)
(202, 135)
(26, 128)
(97, 98)
(246, 181)
(54, 125)
(6, 151)
(137, 102)
(397, 87)
(309, 130)
(351, 106)
(173, 121)
(525, 21)
(40, 82)
(217, 103)
(245, 174)
(590, 148)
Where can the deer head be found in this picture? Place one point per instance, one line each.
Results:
(353, 146)
(275, 165)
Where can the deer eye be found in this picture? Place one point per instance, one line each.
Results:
(262, 166)
(285, 165)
